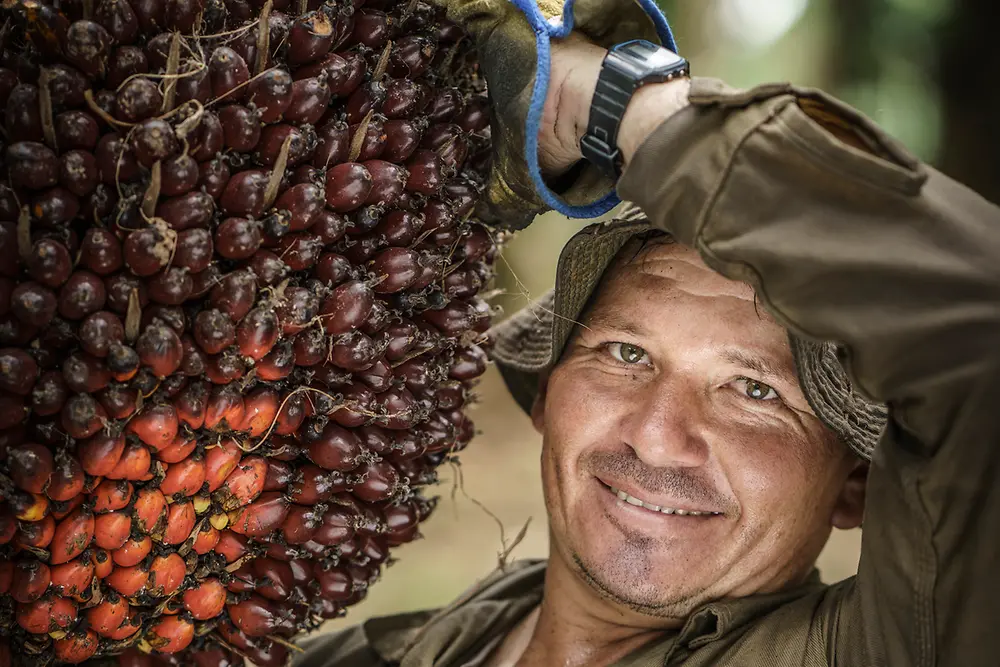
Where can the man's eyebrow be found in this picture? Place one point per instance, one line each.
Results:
(754, 362)
(614, 321)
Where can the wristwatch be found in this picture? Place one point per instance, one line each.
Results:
(627, 67)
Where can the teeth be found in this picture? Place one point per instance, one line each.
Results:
(632, 500)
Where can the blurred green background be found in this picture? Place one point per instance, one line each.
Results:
(926, 70)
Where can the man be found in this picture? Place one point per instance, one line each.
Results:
(701, 436)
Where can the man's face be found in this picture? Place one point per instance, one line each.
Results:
(680, 394)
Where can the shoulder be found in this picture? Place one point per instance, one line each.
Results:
(344, 648)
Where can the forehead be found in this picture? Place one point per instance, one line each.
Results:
(668, 281)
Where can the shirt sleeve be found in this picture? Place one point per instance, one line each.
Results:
(846, 237)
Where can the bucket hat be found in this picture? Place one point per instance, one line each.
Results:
(531, 341)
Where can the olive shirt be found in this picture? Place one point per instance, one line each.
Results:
(899, 265)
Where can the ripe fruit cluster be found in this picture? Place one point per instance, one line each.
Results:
(239, 315)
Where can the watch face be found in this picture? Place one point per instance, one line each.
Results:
(651, 55)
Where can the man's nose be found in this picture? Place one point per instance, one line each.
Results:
(667, 423)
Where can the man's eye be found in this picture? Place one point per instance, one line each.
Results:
(627, 353)
(758, 391)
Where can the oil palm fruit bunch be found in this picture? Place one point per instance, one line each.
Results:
(240, 315)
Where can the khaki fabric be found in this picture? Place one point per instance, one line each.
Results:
(846, 238)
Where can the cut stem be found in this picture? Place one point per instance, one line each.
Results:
(24, 235)
(271, 193)
(263, 37)
(45, 108)
(152, 194)
(383, 62)
(358, 140)
(170, 80)
(133, 316)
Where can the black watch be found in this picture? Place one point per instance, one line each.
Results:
(626, 68)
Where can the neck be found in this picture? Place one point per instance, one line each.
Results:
(577, 627)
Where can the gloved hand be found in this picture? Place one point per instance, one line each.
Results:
(512, 38)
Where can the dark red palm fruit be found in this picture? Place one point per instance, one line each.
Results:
(309, 347)
(8, 524)
(35, 534)
(133, 551)
(373, 143)
(346, 307)
(272, 139)
(153, 140)
(310, 37)
(358, 407)
(329, 226)
(271, 93)
(22, 117)
(184, 478)
(49, 263)
(388, 182)
(46, 615)
(166, 574)
(84, 373)
(137, 99)
(258, 617)
(193, 209)
(333, 269)
(238, 238)
(244, 194)
(147, 251)
(260, 411)
(118, 19)
(170, 634)
(277, 581)
(243, 484)
(184, 15)
(402, 137)
(225, 368)
(224, 410)
(411, 56)
(18, 371)
(260, 517)
(73, 535)
(67, 479)
(381, 481)
(469, 363)
(304, 202)
(128, 581)
(449, 142)
(107, 616)
(119, 287)
(148, 508)
(30, 466)
(208, 139)
(76, 130)
(206, 600)
(268, 268)
(353, 351)
(32, 165)
(123, 362)
(425, 175)
(301, 523)
(87, 46)
(160, 349)
(191, 404)
(213, 331)
(12, 410)
(205, 541)
(54, 207)
(179, 174)
(462, 284)
(125, 62)
(99, 331)
(111, 495)
(78, 172)
(378, 378)
(99, 454)
(31, 579)
(70, 579)
(278, 364)
(297, 309)
(399, 409)
(181, 519)
(241, 128)
(402, 522)
(310, 99)
(335, 449)
(299, 251)
(232, 546)
(333, 142)
(400, 228)
(203, 282)
(193, 250)
(279, 475)
(115, 160)
(112, 529)
(347, 186)
(228, 73)
(371, 28)
(235, 294)
(33, 304)
(367, 98)
(76, 647)
(403, 99)
(257, 332)
(398, 269)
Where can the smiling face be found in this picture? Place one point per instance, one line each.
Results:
(681, 461)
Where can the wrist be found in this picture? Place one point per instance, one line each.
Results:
(649, 107)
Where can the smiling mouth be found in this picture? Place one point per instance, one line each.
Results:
(638, 502)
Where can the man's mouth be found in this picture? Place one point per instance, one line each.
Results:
(639, 502)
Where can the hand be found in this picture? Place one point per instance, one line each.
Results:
(576, 65)
(506, 45)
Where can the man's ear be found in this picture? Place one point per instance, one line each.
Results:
(849, 510)
(538, 407)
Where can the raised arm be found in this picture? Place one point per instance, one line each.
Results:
(848, 238)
